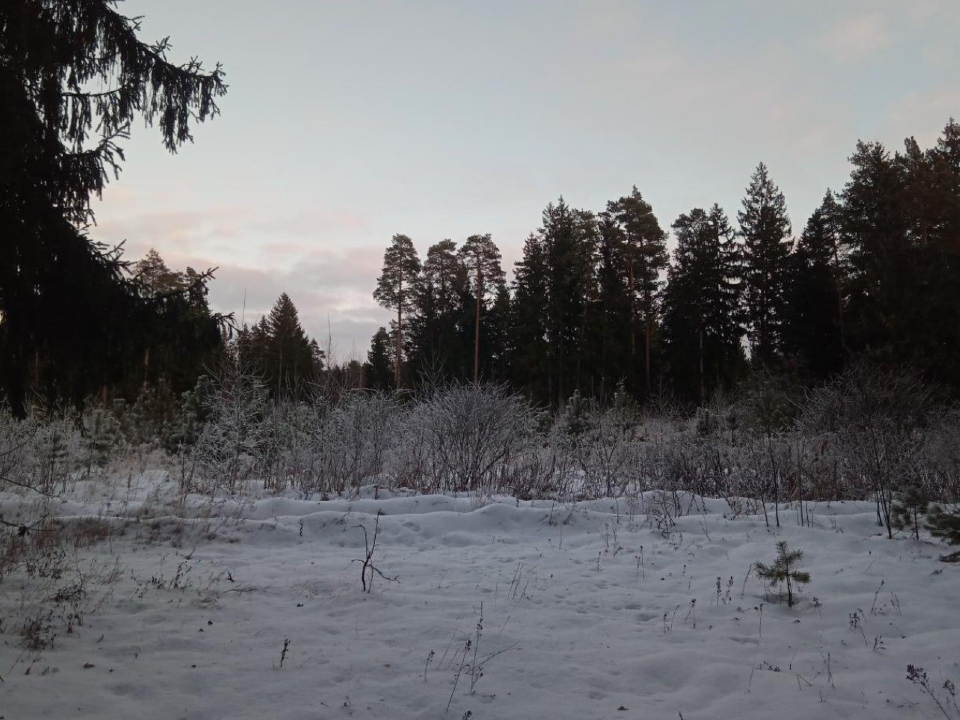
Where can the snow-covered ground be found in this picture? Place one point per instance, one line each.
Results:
(587, 612)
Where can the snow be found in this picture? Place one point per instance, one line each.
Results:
(573, 624)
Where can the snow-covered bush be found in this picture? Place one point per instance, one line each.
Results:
(354, 438)
(56, 448)
(102, 438)
(230, 447)
(474, 434)
(290, 454)
(876, 419)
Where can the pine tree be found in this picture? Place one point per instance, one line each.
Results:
(481, 258)
(434, 339)
(396, 287)
(784, 571)
(645, 255)
(765, 229)
(907, 507)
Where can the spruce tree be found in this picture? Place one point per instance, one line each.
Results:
(900, 225)
(73, 76)
(702, 305)
(570, 243)
(765, 229)
(291, 362)
(813, 329)
(498, 334)
(528, 313)
(396, 288)
(873, 235)
(613, 332)
(377, 371)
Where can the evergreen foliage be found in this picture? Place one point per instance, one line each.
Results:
(945, 524)
(378, 369)
(783, 570)
(906, 509)
(72, 320)
(702, 306)
(481, 259)
(765, 229)
(813, 331)
(396, 288)
(279, 352)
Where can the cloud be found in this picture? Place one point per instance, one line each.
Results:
(856, 37)
(313, 255)
(275, 237)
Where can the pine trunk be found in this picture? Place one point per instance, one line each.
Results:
(396, 367)
(476, 329)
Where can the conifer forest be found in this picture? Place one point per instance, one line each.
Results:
(673, 453)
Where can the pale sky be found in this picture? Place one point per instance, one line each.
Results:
(349, 121)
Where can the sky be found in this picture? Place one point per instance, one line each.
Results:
(347, 122)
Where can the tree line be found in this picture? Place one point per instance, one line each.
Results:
(598, 303)
(595, 304)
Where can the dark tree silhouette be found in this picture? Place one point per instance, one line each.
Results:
(765, 229)
(702, 305)
(644, 252)
(481, 258)
(377, 371)
(396, 288)
(813, 327)
(73, 76)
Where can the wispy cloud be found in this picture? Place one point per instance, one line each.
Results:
(857, 37)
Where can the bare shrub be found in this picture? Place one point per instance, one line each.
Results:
(355, 438)
(876, 419)
(229, 447)
(472, 431)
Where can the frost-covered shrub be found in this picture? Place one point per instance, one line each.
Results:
(15, 439)
(413, 464)
(103, 436)
(877, 420)
(55, 452)
(473, 434)
(608, 451)
(290, 451)
(942, 457)
(354, 439)
(230, 447)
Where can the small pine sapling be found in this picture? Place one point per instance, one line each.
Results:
(945, 524)
(907, 508)
(783, 570)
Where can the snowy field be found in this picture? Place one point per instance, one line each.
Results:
(256, 610)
